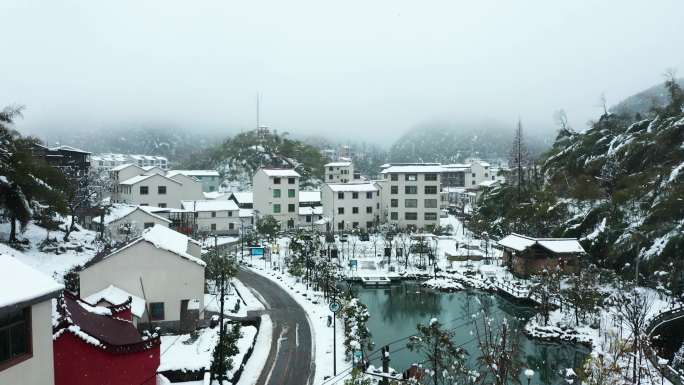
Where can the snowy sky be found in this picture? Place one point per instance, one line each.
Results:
(359, 68)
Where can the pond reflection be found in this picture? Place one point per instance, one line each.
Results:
(396, 310)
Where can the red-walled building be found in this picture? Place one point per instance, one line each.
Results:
(99, 345)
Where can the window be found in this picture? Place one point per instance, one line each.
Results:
(431, 177)
(355, 225)
(291, 180)
(355, 210)
(144, 204)
(431, 203)
(340, 210)
(411, 216)
(144, 190)
(276, 180)
(291, 193)
(340, 195)
(330, 176)
(369, 225)
(492, 177)
(15, 337)
(330, 168)
(473, 182)
(276, 208)
(212, 188)
(411, 203)
(161, 190)
(291, 208)
(230, 213)
(486, 175)
(340, 226)
(231, 226)
(394, 177)
(308, 219)
(369, 209)
(157, 311)
(147, 225)
(394, 189)
(411, 177)
(473, 175)
(276, 193)
(213, 227)
(213, 214)
(162, 205)
(394, 202)
(411, 189)
(355, 195)
(431, 190)
(369, 195)
(430, 216)
(394, 216)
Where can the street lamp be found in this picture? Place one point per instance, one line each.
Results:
(529, 373)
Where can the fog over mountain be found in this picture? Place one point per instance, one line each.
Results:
(361, 70)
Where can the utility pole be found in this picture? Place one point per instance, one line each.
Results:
(222, 372)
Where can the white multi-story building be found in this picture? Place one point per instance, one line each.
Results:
(157, 190)
(107, 161)
(351, 206)
(467, 175)
(209, 178)
(220, 217)
(339, 172)
(276, 193)
(411, 195)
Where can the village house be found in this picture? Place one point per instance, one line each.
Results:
(276, 193)
(124, 171)
(163, 267)
(123, 222)
(64, 157)
(244, 199)
(351, 206)
(527, 255)
(411, 195)
(215, 217)
(308, 216)
(97, 344)
(108, 161)
(339, 172)
(153, 189)
(208, 178)
(26, 352)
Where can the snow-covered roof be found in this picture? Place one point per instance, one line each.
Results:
(173, 241)
(140, 178)
(557, 245)
(309, 196)
(123, 166)
(118, 211)
(456, 166)
(117, 296)
(195, 172)
(244, 197)
(210, 205)
(311, 210)
(354, 187)
(415, 168)
(20, 283)
(68, 148)
(246, 213)
(338, 164)
(281, 172)
(215, 195)
(488, 183)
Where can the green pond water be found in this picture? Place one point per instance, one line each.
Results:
(397, 309)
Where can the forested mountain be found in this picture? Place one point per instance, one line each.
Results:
(643, 102)
(174, 143)
(619, 187)
(237, 158)
(447, 143)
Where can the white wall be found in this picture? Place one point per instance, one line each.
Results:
(166, 276)
(339, 174)
(175, 192)
(332, 203)
(264, 200)
(137, 219)
(401, 198)
(222, 220)
(39, 369)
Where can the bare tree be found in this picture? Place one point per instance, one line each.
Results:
(633, 306)
(500, 350)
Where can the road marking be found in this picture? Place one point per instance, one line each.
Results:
(260, 298)
(275, 359)
(297, 334)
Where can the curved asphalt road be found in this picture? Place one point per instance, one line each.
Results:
(290, 360)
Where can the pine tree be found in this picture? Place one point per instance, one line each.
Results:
(518, 157)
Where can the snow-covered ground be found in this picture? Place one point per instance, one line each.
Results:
(237, 293)
(81, 248)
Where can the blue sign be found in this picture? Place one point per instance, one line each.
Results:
(257, 251)
(334, 306)
(353, 263)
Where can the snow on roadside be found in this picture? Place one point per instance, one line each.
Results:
(317, 312)
(246, 298)
(262, 347)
